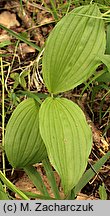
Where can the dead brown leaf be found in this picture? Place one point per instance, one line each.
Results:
(4, 37)
(8, 19)
(24, 49)
(82, 196)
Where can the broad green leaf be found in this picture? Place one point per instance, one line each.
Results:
(67, 137)
(1, 186)
(23, 143)
(70, 56)
(108, 40)
(83, 2)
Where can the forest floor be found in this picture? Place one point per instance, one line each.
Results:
(21, 63)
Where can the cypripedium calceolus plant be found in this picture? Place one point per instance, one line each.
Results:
(57, 128)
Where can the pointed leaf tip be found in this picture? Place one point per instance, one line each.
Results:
(70, 56)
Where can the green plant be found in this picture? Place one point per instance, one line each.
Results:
(84, 2)
(19, 79)
(102, 192)
(58, 127)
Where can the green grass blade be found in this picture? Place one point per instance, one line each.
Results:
(5, 43)
(12, 187)
(90, 173)
(69, 4)
(101, 105)
(30, 95)
(36, 179)
(71, 196)
(5, 55)
(54, 11)
(51, 178)
(108, 40)
(96, 76)
(38, 196)
(21, 4)
(20, 37)
(34, 95)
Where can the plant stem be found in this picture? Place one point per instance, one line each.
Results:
(51, 178)
(3, 120)
(12, 187)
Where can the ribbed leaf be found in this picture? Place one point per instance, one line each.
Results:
(23, 143)
(67, 138)
(70, 56)
(108, 40)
